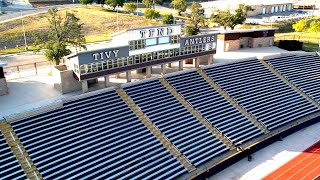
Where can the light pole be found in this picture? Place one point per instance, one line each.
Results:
(24, 34)
(117, 18)
(174, 7)
(137, 7)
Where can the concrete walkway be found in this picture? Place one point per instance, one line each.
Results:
(228, 57)
(35, 91)
(271, 157)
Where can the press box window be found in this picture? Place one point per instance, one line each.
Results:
(151, 42)
(138, 44)
(163, 40)
(175, 39)
(84, 68)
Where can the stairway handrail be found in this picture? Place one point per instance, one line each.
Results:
(207, 121)
(157, 129)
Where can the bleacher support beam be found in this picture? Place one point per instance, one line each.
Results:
(155, 131)
(195, 113)
(20, 153)
(224, 94)
(289, 83)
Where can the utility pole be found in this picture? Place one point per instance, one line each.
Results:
(24, 34)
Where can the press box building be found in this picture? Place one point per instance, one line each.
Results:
(135, 49)
(140, 49)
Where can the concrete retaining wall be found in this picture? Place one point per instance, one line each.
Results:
(262, 42)
(33, 112)
(64, 80)
(3, 87)
(286, 54)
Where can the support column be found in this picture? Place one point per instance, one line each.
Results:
(106, 81)
(181, 65)
(210, 59)
(169, 65)
(163, 68)
(196, 62)
(128, 76)
(84, 86)
(148, 72)
(118, 75)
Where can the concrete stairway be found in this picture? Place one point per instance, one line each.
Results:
(195, 113)
(155, 131)
(279, 75)
(18, 150)
(223, 93)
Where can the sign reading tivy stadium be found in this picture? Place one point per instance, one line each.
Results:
(103, 54)
(196, 40)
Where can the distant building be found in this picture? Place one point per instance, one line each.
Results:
(233, 40)
(257, 7)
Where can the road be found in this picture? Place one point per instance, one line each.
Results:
(30, 57)
(16, 13)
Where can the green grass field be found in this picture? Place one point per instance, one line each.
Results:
(99, 24)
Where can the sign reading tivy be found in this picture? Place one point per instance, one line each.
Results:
(103, 54)
(195, 40)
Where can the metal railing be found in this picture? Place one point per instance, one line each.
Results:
(207, 121)
(157, 129)
(22, 154)
(242, 107)
(25, 70)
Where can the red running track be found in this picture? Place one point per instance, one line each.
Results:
(306, 166)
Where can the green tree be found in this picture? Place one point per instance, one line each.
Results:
(315, 26)
(191, 30)
(180, 5)
(63, 31)
(151, 14)
(167, 19)
(228, 19)
(196, 19)
(130, 7)
(300, 26)
(101, 2)
(149, 3)
(114, 3)
(86, 2)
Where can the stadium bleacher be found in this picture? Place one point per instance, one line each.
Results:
(174, 120)
(261, 93)
(98, 136)
(302, 71)
(95, 137)
(9, 165)
(210, 104)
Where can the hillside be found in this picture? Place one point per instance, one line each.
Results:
(99, 24)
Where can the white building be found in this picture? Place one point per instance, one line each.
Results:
(257, 7)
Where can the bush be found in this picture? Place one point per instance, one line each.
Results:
(130, 7)
(167, 19)
(86, 2)
(151, 14)
(190, 30)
